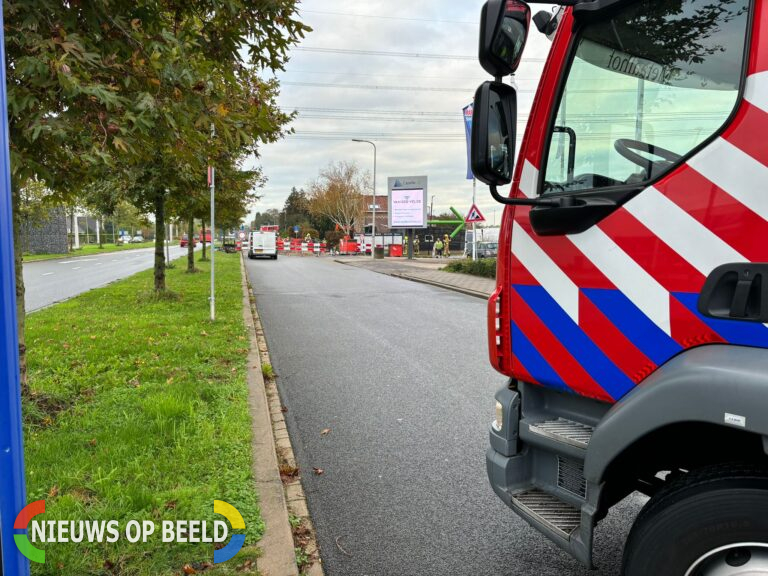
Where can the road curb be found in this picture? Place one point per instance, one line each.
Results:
(451, 287)
(273, 452)
(420, 280)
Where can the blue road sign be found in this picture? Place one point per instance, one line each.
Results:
(296, 229)
(12, 489)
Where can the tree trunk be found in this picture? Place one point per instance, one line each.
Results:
(191, 245)
(160, 242)
(18, 264)
(202, 237)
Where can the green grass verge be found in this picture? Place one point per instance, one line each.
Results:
(89, 250)
(485, 267)
(139, 411)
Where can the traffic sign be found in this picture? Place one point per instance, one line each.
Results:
(474, 215)
(242, 235)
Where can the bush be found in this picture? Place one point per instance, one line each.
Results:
(485, 267)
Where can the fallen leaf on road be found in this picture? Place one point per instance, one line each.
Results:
(188, 569)
(318, 471)
(284, 409)
(339, 546)
(325, 432)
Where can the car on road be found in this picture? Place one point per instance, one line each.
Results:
(263, 244)
(184, 241)
(137, 239)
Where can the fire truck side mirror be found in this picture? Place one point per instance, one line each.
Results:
(493, 133)
(504, 28)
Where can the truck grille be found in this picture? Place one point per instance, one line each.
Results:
(570, 477)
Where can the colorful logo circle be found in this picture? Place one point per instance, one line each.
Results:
(238, 540)
(22, 540)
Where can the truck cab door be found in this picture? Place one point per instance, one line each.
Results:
(645, 155)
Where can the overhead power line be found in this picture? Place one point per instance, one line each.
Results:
(380, 87)
(352, 52)
(370, 111)
(378, 17)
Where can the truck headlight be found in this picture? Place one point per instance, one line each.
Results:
(498, 424)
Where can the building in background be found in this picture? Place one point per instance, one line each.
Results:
(46, 234)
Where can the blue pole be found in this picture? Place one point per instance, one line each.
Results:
(12, 489)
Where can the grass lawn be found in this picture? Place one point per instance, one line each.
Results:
(139, 411)
(90, 250)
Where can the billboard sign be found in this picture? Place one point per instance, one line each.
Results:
(408, 202)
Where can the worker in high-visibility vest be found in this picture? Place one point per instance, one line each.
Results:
(439, 248)
(447, 245)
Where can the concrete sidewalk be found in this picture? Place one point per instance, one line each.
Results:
(426, 271)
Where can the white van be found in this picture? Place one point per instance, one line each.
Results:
(262, 244)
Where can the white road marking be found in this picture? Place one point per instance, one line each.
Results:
(77, 268)
(47, 273)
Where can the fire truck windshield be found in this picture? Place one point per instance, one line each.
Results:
(645, 88)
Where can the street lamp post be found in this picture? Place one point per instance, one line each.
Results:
(373, 226)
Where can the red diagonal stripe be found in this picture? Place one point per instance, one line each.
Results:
(719, 212)
(667, 266)
(748, 131)
(557, 355)
(520, 274)
(759, 52)
(614, 344)
(687, 329)
(568, 258)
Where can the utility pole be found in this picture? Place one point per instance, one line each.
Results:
(212, 182)
(75, 231)
(373, 226)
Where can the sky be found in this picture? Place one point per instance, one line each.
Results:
(345, 82)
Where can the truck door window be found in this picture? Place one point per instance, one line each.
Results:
(646, 87)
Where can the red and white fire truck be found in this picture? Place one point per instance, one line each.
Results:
(631, 306)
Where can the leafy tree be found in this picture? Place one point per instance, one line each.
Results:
(121, 83)
(269, 217)
(295, 210)
(338, 194)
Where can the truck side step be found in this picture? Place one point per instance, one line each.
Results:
(548, 510)
(566, 431)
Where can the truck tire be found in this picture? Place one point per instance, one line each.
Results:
(709, 522)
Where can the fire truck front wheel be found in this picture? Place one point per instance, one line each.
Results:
(709, 522)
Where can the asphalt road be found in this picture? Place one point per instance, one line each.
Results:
(49, 281)
(399, 372)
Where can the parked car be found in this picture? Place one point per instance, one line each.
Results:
(184, 241)
(137, 239)
(487, 249)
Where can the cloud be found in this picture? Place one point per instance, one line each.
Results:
(435, 145)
